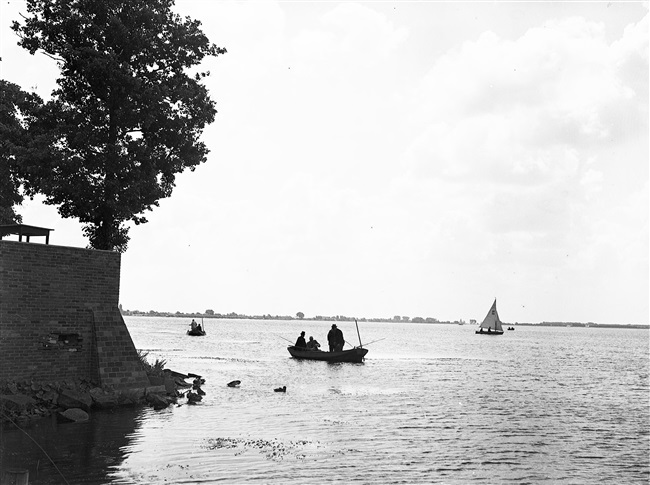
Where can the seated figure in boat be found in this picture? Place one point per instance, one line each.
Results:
(300, 342)
(313, 344)
(199, 328)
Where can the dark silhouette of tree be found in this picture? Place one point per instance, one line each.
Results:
(17, 114)
(126, 116)
(300, 315)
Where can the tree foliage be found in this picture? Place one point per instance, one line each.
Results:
(127, 114)
(18, 110)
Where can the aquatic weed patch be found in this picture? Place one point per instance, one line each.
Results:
(272, 449)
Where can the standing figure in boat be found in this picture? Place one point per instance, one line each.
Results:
(300, 342)
(335, 339)
(193, 325)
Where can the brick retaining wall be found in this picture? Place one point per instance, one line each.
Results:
(59, 316)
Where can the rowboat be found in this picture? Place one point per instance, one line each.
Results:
(196, 333)
(352, 355)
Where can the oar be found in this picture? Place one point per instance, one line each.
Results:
(367, 343)
(376, 341)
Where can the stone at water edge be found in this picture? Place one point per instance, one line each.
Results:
(69, 398)
(74, 415)
(158, 402)
(17, 402)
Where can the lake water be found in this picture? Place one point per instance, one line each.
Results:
(430, 404)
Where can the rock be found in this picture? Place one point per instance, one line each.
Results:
(181, 383)
(69, 398)
(155, 390)
(50, 397)
(157, 401)
(175, 375)
(104, 399)
(233, 383)
(73, 415)
(130, 396)
(17, 402)
(170, 385)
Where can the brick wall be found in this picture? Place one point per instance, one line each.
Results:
(59, 316)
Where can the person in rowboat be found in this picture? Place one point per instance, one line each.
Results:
(300, 342)
(335, 339)
(313, 344)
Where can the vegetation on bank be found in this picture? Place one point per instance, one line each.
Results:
(343, 318)
(153, 370)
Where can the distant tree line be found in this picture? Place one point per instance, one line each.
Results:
(299, 316)
(342, 318)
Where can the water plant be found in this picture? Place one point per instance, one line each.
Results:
(155, 369)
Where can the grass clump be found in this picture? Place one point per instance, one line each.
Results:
(155, 369)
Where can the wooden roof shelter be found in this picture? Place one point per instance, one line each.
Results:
(25, 230)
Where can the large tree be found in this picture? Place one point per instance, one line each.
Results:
(127, 114)
(18, 111)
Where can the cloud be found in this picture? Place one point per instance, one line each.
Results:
(528, 111)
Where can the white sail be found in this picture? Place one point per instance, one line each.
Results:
(491, 320)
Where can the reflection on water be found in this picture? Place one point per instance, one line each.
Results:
(431, 403)
(81, 452)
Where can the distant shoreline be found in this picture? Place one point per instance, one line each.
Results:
(431, 321)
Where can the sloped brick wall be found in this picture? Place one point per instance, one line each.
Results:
(59, 316)
(117, 359)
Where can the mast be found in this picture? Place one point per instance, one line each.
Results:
(358, 334)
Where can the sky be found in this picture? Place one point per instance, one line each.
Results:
(376, 159)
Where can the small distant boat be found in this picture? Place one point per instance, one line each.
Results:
(353, 355)
(511, 328)
(491, 323)
(196, 330)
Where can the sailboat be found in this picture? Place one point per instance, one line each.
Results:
(491, 324)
